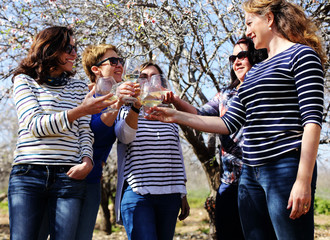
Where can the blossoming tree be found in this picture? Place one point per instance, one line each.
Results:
(190, 39)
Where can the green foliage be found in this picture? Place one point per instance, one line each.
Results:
(321, 206)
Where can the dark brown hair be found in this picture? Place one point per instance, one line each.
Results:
(254, 56)
(44, 54)
(148, 64)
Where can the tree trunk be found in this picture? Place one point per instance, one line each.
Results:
(105, 222)
(210, 208)
(206, 155)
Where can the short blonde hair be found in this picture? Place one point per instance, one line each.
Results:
(92, 55)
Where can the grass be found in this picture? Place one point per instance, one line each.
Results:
(196, 198)
(322, 226)
(204, 230)
(3, 207)
(322, 206)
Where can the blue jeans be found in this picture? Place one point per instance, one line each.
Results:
(149, 217)
(263, 198)
(89, 211)
(227, 220)
(35, 189)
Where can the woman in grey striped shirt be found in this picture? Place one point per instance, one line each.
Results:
(280, 105)
(54, 147)
(151, 176)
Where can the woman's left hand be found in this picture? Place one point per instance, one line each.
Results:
(300, 198)
(80, 171)
(185, 209)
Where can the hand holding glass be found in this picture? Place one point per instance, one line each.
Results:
(131, 72)
(150, 95)
(162, 87)
(104, 86)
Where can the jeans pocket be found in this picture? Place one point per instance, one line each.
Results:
(68, 187)
(20, 170)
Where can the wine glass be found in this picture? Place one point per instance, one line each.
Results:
(162, 86)
(104, 86)
(131, 72)
(150, 96)
(143, 88)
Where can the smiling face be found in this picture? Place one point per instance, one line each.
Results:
(241, 66)
(67, 61)
(257, 28)
(106, 70)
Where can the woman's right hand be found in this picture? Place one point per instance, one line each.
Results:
(92, 105)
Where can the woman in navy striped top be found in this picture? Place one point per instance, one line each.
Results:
(54, 147)
(280, 106)
(151, 176)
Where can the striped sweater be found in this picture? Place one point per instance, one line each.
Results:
(277, 99)
(45, 135)
(153, 162)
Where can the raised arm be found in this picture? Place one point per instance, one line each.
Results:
(178, 103)
(201, 123)
(89, 106)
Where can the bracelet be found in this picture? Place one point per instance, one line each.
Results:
(137, 110)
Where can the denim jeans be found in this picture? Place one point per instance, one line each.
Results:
(89, 211)
(149, 217)
(35, 189)
(227, 220)
(263, 198)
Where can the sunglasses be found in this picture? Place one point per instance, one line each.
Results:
(69, 48)
(241, 55)
(113, 61)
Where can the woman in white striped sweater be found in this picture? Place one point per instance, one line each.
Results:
(54, 147)
(280, 106)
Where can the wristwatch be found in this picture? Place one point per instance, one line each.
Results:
(137, 110)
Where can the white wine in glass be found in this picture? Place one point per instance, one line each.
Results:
(131, 77)
(131, 72)
(150, 96)
(161, 85)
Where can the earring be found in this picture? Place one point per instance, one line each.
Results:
(270, 28)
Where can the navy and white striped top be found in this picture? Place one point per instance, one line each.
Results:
(45, 136)
(154, 161)
(277, 99)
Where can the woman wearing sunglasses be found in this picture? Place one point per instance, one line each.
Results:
(280, 106)
(227, 220)
(103, 61)
(54, 148)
